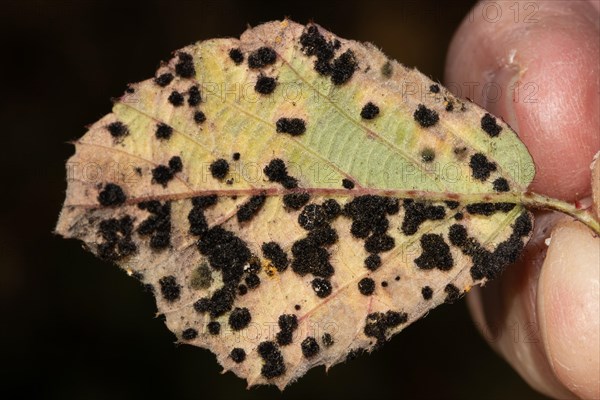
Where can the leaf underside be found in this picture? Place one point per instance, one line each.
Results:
(293, 198)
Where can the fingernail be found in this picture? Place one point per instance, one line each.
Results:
(501, 93)
(569, 308)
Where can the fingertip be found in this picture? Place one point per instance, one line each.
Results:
(568, 308)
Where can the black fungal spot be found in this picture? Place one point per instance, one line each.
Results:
(276, 171)
(368, 214)
(434, 88)
(481, 167)
(194, 96)
(214, 328)
(162, 175)
(327, 340)
(265, 84)
(340, 69)
(163, 131)
(205, 201)
(310, 347)
(229, 254)
(322, 287)
(163, 79)
(175, 164)
(226, 252)
(296, 201)
(452, 204)
(185, 66)
(235, 156)
(435, 253)
(314, 44)
(261, 58)
(347, 184)
(366, 286)
(458, 235)
(373, 262)
(196, 218)
(427, 155)
(378, 243)
(488, 264)
(393, 206)
(309, 257)
(242, 290)
(189, 334)
(458, 216)
(297, 307)
(292, 126)
(343, 67)
(238, 355)
(501, 185)
(236, 56)
(427, 293)
(158, 224)
(175, 98)
(219, 169)
(273, 360)
(239, 318)
(275, 253)
(369, 111)
(288, 323)
(384, 284)
(323, 236)
(169, 288)
(117, 129)
(397, 278)
(417, 213)
(489, 208)
(249, 209)
(252, 281)
(332, 209)
(449, 106)
(489, 125)
(116, 235)
(378, 324)
(426, 117)
(111, 195)
(199, 117)
(452, 293)
(221, 301)
(203, 305)
(312, 216)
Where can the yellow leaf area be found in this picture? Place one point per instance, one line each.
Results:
(294, 198)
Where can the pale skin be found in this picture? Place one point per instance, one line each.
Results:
(543, 314)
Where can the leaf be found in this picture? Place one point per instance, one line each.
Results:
(294, 199)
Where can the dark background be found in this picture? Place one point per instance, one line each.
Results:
(75, 327)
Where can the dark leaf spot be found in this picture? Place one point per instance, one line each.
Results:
(426, 117)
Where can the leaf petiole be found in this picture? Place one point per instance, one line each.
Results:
(535, 200)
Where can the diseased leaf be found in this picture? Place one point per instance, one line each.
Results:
(294, 198)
